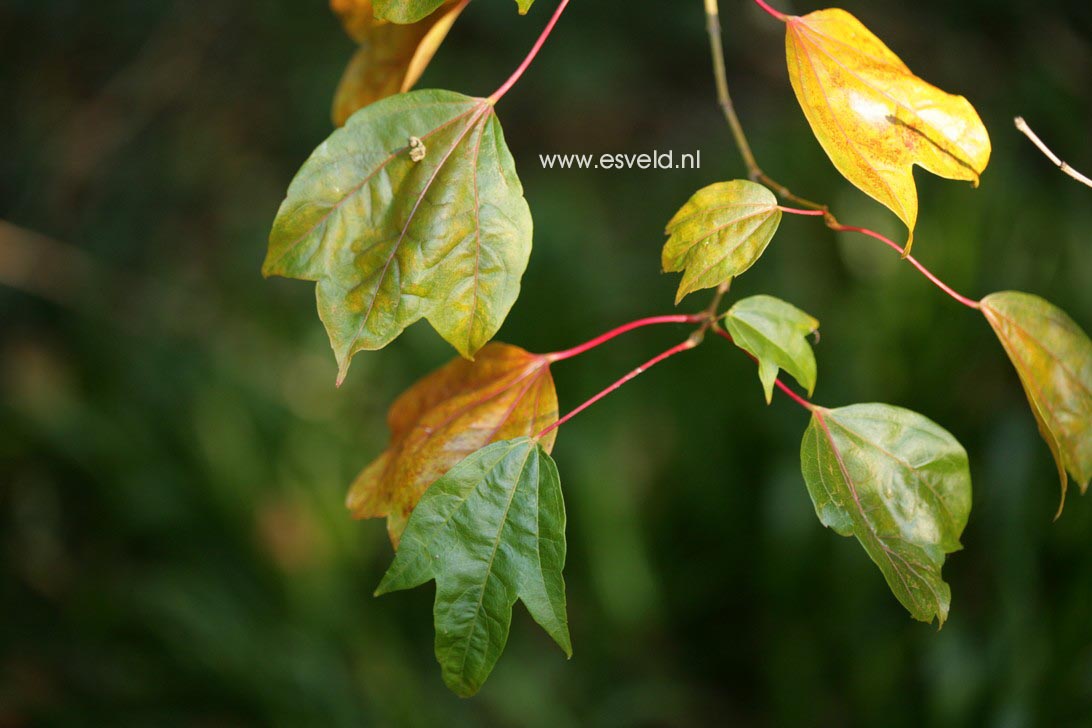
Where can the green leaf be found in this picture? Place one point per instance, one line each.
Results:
(410, 11)
(775, 333)
(458, 409)
(490, 531)
(1053, 357)
(719, 233)
(899, 483)
(392, 237)
(405, 11)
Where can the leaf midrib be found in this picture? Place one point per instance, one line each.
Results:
(849, 140)
(492, 558)
(966, 162)
(382, 165)
(481, 108)
(891, 553)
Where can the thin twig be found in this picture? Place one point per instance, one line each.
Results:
(712, 16)
(1026, 130)
(724, 98)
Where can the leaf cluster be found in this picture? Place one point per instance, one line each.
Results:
(414, 210)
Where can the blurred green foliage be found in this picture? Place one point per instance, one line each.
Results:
(174, 456)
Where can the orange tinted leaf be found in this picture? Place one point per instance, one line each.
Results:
(874, 118)
(390, 59)
(357, 17)
(460, 408)
(1053, 357)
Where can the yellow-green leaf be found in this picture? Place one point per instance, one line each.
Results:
(775, 333)
(391, 57)
(1053, 357)
(412, 210)
(504, 393)
(874, 118)
(405, 11)
(719, 233)
(411, 11)
(898, 482)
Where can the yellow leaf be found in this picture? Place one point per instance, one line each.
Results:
(460, 408)
(874, 118)
(391, 57)
(357, 17)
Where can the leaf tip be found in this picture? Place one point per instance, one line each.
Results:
(768, 391)
(909, 244)
(1061, 503)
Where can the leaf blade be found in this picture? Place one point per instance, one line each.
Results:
(478, 531)
(390, 58)
(390, 239)
(874, 118)
(405, 11)
(775, 333)
(1053, 358)
(412, 11)
(901, 485)
(456, 410)
(719, 233)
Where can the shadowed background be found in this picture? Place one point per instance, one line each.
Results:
(175, 456)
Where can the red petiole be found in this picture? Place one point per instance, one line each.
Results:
(496, 95)
(838, 227)
(780, 385)
(690, 343)
(762, 4)
(603, 338)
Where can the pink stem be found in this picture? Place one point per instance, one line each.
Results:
(496, 95)
(798, 211)
(838, 227)
(795, 397)
(780, 385)
(688, 344)
(603, 338)
(762, 4)
(913, 261)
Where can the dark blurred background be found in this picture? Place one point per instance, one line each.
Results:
(174, 453)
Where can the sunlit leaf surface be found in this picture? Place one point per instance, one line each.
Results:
(719, 233)
(491, 531)
(874, 118)
(900, 484)
(412, 210)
